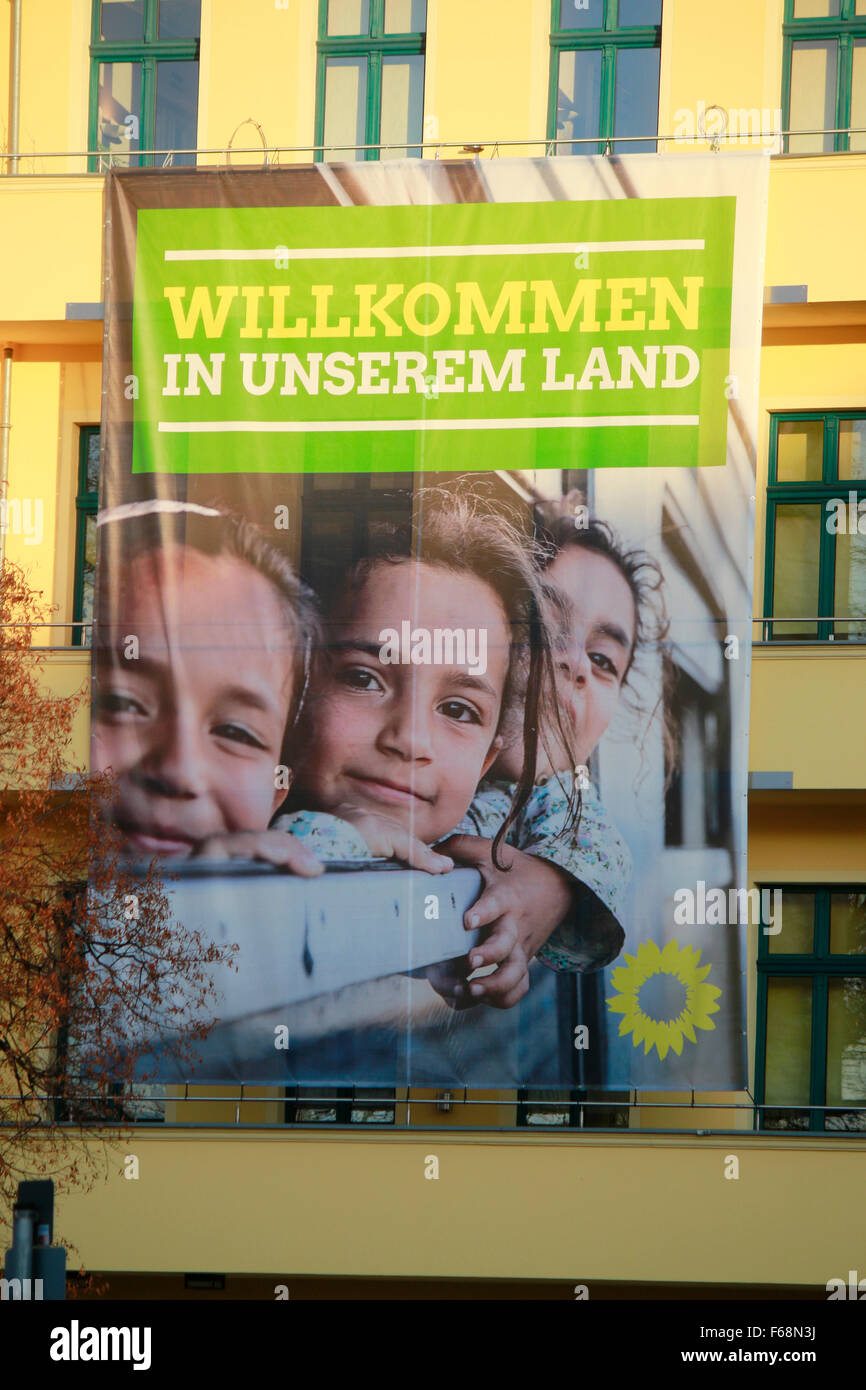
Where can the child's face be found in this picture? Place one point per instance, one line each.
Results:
(406, 741)
(192, 727)
(595, 642)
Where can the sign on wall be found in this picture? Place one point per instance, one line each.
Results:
(393, 454)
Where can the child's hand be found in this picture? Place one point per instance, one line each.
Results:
(387, 839)
(271, 846)
(522, 907)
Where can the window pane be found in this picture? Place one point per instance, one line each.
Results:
(345, 106)
(813, 96)
(637, 99)
(119, 111)
(176, 109)
(607, 1116)
(549, 1108)
(91, 467)
(848, 924)
(696, 802)
(348, 16)
(639, 12)
(849, 597)
(852, 449)
(316, 1114)
(145, 1103)
(797, 937)
(795, 592)
(405, 16)
(312, 1114)
(578, 98)
(88, 573)
(789, 1049)
(546, 1115)
(122, 19)
(800, 451)
(330, 544)
(365, 1115)
(402, 105)
(179, 19)
(816, 9)
(374, 1112)
(858, 95)
(846, 1051)
(581, 14)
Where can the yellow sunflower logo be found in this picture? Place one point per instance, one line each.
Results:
(656, 983)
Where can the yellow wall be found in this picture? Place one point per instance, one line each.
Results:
(807, 715)
(51, 241)
(33, 466)
(810, 239)
(811, 837)
(504, 1206)
(258, 62)
(731, 57)
(488, 72)
(54, 81)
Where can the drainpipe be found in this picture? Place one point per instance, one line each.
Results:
(15, 87)
(5, 431)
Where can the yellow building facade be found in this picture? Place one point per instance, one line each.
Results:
(224, 1185)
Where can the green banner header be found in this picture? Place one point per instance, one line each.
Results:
(529, 335)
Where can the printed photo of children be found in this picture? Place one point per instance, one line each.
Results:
(253, 717)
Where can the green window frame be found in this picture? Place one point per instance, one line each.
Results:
(606, 49)
(148, 57)
(809, 994)
(374, 52)
(86, 504)
(844, 32)
(826, 487)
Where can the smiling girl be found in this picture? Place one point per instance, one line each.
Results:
(410, 739)
(405, 744)
(201, 652)
(604, 603)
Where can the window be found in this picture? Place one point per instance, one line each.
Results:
(86, 501)
(144, 80)
(332, 1105)
(339, 511)
(370, 89)
(604, 75)
(811, 1045)
(573, 1109)
(824, 83)
(815, 582)
(698, 796)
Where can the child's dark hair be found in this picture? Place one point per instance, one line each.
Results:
(566, 523)
(126, 533)
(467, 533)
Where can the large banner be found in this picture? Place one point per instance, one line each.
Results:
(422, 636)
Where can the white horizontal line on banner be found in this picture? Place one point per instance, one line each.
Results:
(529, 248)
(327, 426)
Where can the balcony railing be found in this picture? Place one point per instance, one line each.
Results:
(98, 162)
(771, 637)
(408, 1110)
